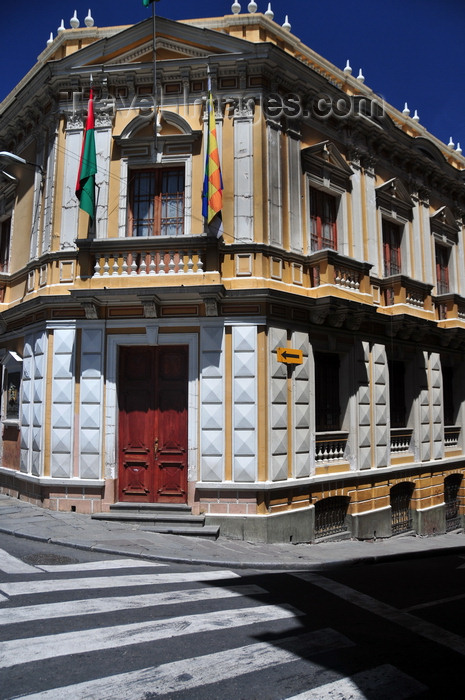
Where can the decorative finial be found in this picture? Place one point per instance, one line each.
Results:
(252, 6)
(74, 22)
(360, 76)
(451, 144)
(458, 149)
(415, 117)
(406, 110)
(269, 13)
(348, 68)
(286, 24)
(61, 28)
(89, 20)
(50, 40)
(235, 8)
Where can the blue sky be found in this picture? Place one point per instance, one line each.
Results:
(409, 50)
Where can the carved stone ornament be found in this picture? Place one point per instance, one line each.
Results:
(90, 310)
(150, 308)
(74, 121)
(211, 306)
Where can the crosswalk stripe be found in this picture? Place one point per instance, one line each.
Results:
(199, 671)
(100, 565)
(383, 682)
(425, 629)
(95, 606)
(110, 582)
(11, 565)
(52, 646)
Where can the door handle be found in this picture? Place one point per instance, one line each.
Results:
(155, 447)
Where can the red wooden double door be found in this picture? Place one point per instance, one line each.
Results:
(152, 424)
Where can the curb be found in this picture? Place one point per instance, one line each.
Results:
(262, 566)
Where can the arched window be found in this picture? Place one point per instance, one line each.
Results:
(330, 515)
(401, 518)
(452, 485)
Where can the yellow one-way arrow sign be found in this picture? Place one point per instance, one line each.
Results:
(290, 356)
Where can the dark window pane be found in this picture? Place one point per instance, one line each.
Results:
(392, 234)
(327, 407)
(323, 213)
(397, 394)
(156, 205)
(448, 395)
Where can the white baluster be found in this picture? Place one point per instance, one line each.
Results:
(133, 264)
(106, 266)
(124, 267)
(97, 266)
(115, 270)
(190, 262)
(143, 264)
(161, 265)
(199, 261)
(152, 266)
(171, 263)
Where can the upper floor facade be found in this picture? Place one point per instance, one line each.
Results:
(328, 190)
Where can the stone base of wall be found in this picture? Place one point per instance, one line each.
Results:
(86, 499)
(221, 503)
(373, 524)
(293, 526)
(430, 521)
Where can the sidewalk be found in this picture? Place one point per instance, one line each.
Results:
(75, 530)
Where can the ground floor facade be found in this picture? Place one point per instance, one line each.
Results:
(276, 430)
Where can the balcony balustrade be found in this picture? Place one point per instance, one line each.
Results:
(451, 436)
(401, 439)
(141, 257)
(330, 446)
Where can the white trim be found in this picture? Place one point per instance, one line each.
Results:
(50, 481)
(111, 414)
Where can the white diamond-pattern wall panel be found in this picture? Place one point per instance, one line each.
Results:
(244, 418)
(59, 466)
(61, 441)
(90, 404)
(62, 366)
(32, 403)
(436, 409)
(90, 391)
(380, 400)
(63, 402)
(302, 395)
(63, 341)
(89, 465)
(61, 416)
(212, 403)
(91, 365)
(278, 413)
(211, 418)
(279, 467)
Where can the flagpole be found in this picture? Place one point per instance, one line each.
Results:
(155, 106)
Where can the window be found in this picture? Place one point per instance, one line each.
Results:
(323, 214)
(401, 517)
(327, 397)
(442, 268)
(156, 202)
(5, 232)
(448, 395)
(392, 234)
(397, 394)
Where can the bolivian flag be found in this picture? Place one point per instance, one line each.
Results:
(85, 185)
(212, 195)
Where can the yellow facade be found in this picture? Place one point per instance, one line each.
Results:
(332, 245)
